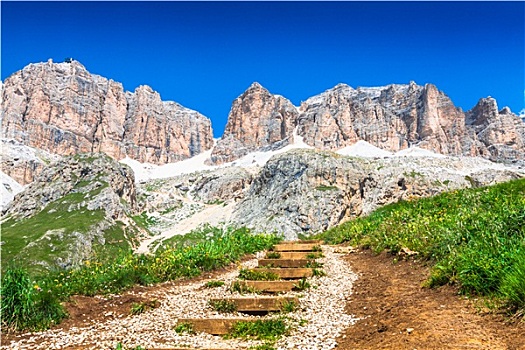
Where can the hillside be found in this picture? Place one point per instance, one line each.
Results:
(75, 208)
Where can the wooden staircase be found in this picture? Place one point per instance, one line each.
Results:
(291, 266)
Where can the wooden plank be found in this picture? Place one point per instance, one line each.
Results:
(295, 255)
(317, 241)
(287, 263)
(256, 304)
(295, 247)
(270, 286)
(216, 326)
(288, 273)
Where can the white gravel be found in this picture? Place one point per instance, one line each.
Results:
(321, 312)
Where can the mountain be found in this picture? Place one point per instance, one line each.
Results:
(258, 120)
(393, 118)
(63, 109)
(76, 206)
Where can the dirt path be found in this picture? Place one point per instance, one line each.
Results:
(398, 314)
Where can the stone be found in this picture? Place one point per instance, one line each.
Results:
(258, 120)
(64, 109)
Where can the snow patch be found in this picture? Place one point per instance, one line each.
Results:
(364, 149)
(418, 152)
(9, 189)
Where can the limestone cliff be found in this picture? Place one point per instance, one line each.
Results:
(258, 120)
(64, 109)
(392, 117)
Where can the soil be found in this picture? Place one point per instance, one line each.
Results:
(398, 313)
(395, 311)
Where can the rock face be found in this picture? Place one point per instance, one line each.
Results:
(308, 191)
(64, 109)
(23, 163)
(105, 183)
(392, 118)
(258, 120)
(501, 134)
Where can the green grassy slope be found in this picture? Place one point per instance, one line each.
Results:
(473, 237)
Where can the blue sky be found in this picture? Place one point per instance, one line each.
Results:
(205, 54)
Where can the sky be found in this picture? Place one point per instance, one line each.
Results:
(203, 55)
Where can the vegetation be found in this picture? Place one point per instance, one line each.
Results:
(303, 284)
(288, 306)
(139, 308)
(213, 284)
(314, 255)
(270, 329)
(223, 305)
(326, 188)
(273, 255)
(22, 303)
(25, 305)
(242, 288)
(257, 275)
(475, 238)
(184, 327)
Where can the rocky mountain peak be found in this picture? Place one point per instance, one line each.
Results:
(257, 120)
(64, 109)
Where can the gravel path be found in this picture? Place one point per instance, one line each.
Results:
(319, 320)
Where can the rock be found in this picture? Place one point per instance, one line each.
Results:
(105, 183)
(309, 191)
(392, 118)
(64, 109)
(221, 185)
(74, 206)
(23, 163)
(501, 135)
(257, 120)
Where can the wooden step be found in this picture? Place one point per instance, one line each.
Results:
(296, 255)
(317, 241)
(270, 286)
(259, 304)
(215, 326)
(295, 247)
(289, 263)
(288, 273)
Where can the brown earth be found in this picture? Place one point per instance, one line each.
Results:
(395, 311)
(398, 313)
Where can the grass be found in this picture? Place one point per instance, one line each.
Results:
(139, 308)
(271, 329)
(474, 238)
(288, 306)
(253, 275)
(303, 284)
(326, 188)
(25, 305)
(242, 288)
(120, 273)
(213, 284)
(314, 255)
(184, 327)
(273, 255)
(223, 306)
